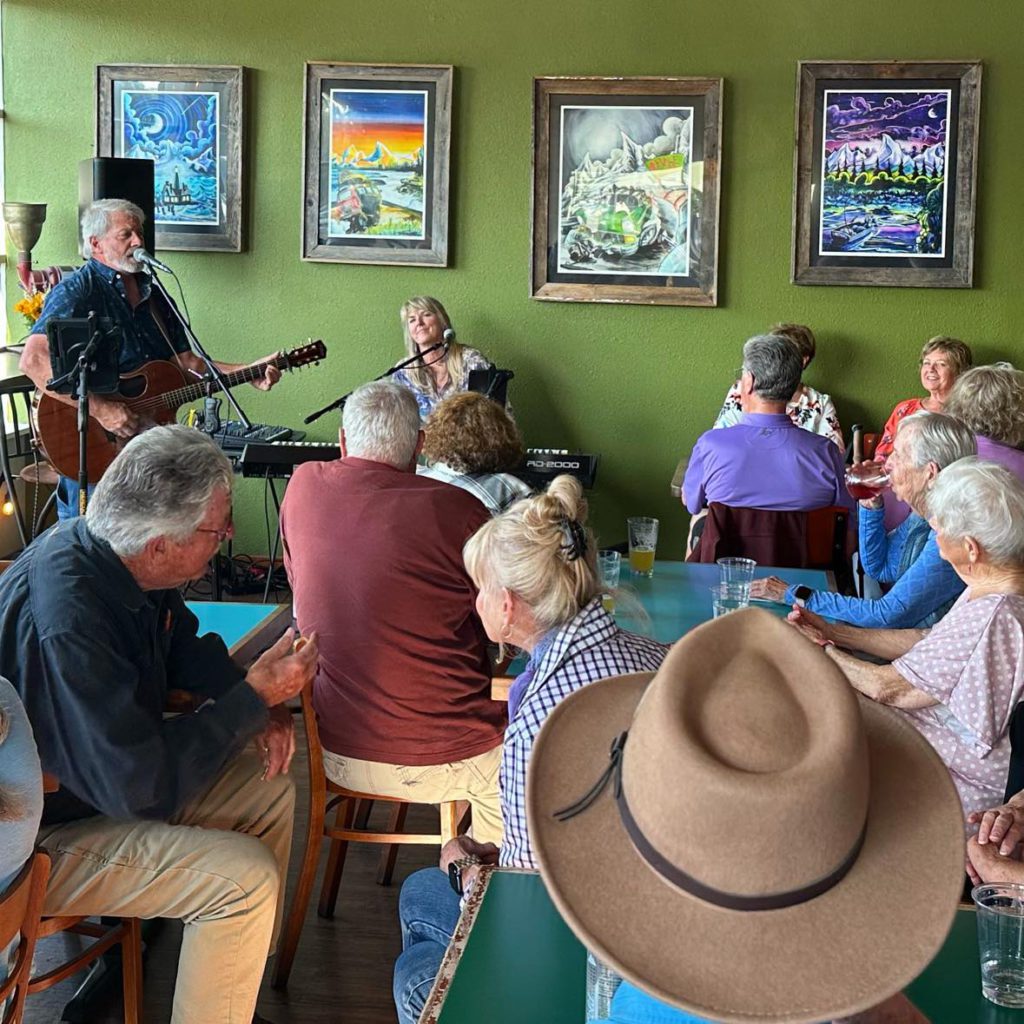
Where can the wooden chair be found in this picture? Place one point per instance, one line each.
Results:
(126, 932)
(351, 811)
(864, 444)
(20, 908)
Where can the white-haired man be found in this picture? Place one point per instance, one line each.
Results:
(155, 816)
(374, 555)
(111, 284)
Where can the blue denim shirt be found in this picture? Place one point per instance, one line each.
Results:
(98, 288)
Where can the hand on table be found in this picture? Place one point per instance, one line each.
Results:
(987, 864)
(277, 743)
(814, 627)
(1001, 826)
(769, 589)
(279, 674)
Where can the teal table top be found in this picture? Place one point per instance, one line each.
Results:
(242, 626)
(521, 962)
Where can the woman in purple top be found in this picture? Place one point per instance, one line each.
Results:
(989, 400)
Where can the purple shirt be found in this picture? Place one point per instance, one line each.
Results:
(1011, 458)
(765, 461)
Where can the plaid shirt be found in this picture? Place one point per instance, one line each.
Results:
(494, 490)
(588, 648)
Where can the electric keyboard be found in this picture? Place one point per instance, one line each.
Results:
(542, 465)
(235, 435)
(278, 459)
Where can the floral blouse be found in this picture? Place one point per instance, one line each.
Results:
(901, 412)
(813, 411)
(427, 398)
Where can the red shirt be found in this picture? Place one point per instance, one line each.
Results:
(374, 555)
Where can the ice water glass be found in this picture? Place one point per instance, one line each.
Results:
(609, 566)
(643, 541)
(737, 572)
(602, 982)
(1001, 942)
(729, 597)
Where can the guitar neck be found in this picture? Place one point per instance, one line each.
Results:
(193, 392)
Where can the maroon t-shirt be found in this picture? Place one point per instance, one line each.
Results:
(374, 555)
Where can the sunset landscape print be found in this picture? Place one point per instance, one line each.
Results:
(378, 163)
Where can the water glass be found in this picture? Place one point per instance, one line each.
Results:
(643, 541)
(737, 572)
(609, 566)
(602, 982)
(729, 597)
(1001, 942)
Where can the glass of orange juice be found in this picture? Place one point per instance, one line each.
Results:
(609, 566)
(643, 540)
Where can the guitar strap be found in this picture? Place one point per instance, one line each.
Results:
(157, 312)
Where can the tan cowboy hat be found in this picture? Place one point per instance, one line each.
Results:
(780, 850)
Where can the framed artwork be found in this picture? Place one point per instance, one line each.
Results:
(625, 190)
(885, 178)
(377, 142)
(189, 122)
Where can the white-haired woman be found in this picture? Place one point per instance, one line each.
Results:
(534, 566)
(21, 788)
(989, 400)
(440, 373)
(924, 584)
(959, 682)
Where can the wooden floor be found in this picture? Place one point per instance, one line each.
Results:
(342, 971)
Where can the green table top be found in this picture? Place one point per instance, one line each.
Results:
(521, 963)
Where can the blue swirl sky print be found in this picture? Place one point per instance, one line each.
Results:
(178, 131)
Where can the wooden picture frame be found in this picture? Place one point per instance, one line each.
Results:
(626, 184)
(885, 176)
(188, 119)
(376, 165)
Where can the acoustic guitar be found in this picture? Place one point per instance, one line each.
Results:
(154, 392)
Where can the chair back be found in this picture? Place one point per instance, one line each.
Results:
(315, 750)
(16, 444)
(20, 908)
(864, 444)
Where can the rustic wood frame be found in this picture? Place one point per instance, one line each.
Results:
(431, 251)
(965, 74)
(229, 237)
(704, 292)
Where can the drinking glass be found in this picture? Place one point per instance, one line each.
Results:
(609, 566)
(1001, 942)
(737, 572)
(643, 540)
(729, 597)
(866, 480)
(602, 981)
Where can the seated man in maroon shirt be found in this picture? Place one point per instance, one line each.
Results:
(374, 555)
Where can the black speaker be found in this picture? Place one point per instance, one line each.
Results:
(109, 177)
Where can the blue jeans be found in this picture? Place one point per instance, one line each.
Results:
(67, 497)
(428, 910)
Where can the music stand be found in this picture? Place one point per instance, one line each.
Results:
(491, 383)
(84, 353)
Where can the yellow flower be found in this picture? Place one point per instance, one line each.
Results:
(30, 307)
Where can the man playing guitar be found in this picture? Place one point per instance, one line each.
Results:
(112, 285)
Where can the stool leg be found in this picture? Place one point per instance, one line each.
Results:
(362, 818)
(390, 853)
(131, 965)
(335, 860)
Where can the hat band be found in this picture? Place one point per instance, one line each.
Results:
(675, 875)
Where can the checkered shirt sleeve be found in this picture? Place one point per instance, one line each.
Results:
(588, 648)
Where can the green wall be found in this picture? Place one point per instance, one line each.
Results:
(636, 384)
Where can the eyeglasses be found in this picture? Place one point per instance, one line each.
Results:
(222, 534)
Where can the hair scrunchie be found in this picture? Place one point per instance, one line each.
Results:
(575, 544)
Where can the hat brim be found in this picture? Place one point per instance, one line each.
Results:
(836, 955)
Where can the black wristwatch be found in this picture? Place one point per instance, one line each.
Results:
(456, 867)
(801, 594)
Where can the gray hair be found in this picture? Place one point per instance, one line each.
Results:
(775, 364)
(160, 485)
(985, 501)
(381, 422)
(936, 437)
(96, 219)
(990, 401)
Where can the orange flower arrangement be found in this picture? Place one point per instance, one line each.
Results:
(30, 307)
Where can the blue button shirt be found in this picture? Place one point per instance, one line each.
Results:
(98, 288)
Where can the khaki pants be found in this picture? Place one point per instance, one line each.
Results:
(475, 780)
(220, 866)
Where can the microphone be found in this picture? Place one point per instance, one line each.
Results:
(140, 255)
(449, 336)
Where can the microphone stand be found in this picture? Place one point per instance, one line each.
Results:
(217, 377)
(340, 402)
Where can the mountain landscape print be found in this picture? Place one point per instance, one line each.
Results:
(378, 158)
(884, 171)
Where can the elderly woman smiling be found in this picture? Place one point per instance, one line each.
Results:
(925, 585)
(959, 682)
